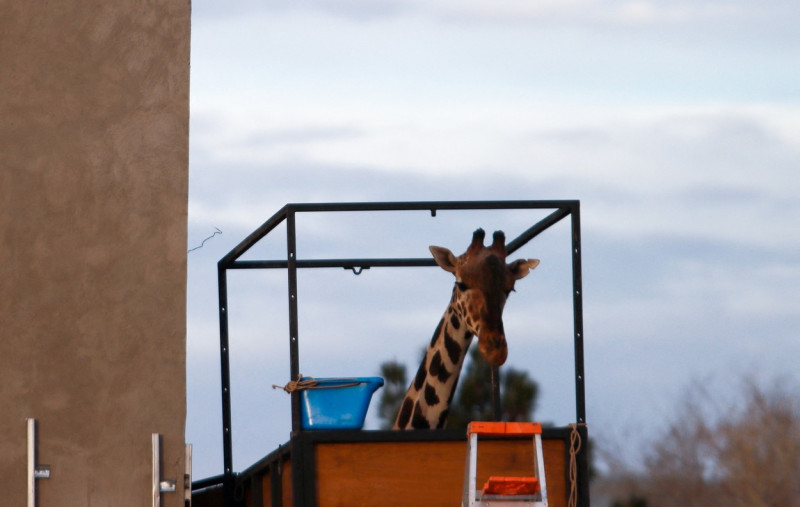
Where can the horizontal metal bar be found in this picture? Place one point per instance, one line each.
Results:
(333, 263)
(428, 205)
(512, 246)
(431, 206)
(208, 482)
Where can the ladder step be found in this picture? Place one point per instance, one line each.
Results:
(504, 428)
(511, 486)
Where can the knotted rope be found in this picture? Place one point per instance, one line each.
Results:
(575, 443)
(294, 385)
(311, 383)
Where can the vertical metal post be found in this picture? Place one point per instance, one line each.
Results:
(31, 462)
(156, 443)
(298, 454)
(227, 443)
(187, 475)
(291, 255)
(497, 405)
(470, 497)
(577, 308)
(539, 466)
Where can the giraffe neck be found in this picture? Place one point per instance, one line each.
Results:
(428, 399)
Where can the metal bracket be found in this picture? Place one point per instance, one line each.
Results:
(160, 485)
(356, 269)
(168, 486)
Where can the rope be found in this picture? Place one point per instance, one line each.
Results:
(294, 385)
(310, 383)
(575, 444)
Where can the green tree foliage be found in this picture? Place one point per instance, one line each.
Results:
(633, 501)
(394, 389)
(473, 400)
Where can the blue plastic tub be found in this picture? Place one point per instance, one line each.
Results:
(337, 403)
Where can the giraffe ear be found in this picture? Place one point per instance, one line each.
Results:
(521, 267)
(444, 258)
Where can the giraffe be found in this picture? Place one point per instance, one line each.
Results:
(483, 283)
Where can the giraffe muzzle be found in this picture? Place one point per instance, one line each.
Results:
(494, 349)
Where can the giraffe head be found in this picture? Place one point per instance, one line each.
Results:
(483, 282)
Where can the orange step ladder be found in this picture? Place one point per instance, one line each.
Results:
(504, 491)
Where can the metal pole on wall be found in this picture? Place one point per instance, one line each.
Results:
(35, 470)
(156, 475)
(31, 462)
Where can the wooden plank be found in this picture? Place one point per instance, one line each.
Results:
(266, 485)
(425, 473)
(286, 483)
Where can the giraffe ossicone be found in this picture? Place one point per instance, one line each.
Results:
(483, 282)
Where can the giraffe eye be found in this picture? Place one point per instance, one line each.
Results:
(461, 285)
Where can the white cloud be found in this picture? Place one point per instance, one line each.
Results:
(675, 124)
(611, 12)
(702, 172)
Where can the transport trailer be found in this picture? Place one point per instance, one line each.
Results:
(391, 468)
(319, 467)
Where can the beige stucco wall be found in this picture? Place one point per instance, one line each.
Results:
(94, 110)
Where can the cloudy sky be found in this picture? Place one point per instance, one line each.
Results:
(675, 123)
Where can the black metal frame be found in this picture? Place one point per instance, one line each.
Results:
(288, 214)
